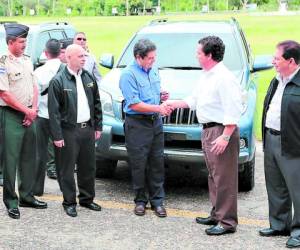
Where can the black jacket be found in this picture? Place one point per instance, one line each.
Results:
(62, 102)
(290, 115)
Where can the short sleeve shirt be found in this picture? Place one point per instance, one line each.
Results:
(16, 76)
(138, 85)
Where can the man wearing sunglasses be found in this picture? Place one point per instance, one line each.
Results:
(90, 61)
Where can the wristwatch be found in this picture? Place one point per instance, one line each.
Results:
(226, 137)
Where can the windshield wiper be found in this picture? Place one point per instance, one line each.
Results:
(121, 66)
(181, 67)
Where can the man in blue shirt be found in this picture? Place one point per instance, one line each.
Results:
(140, 85)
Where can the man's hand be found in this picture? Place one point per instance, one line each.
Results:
(26, 122)
(165, 109)
(31, 114)
(219, 145)
(97, 135)
(59, 143)
(164, 95)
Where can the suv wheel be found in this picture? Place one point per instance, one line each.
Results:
(246, 178)
(105, 168)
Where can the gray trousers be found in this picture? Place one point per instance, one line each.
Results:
(145, 145)
(223, 176)
(283, 186)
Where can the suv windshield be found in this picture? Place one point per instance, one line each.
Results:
(179, 50)
(3, 46)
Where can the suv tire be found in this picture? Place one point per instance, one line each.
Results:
(105, 168)
(246, 177)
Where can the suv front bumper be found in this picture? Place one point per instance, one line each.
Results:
(108, 149)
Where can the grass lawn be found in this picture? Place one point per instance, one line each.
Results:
(110, 34)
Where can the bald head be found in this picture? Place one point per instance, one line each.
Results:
(75, 56)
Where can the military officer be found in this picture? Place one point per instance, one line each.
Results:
(18, 111)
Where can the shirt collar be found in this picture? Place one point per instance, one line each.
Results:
(287, 79)
(73, 73)
(13, 57)
(141, 68)
(216, 68)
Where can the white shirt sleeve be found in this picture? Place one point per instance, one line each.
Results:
(231, 99)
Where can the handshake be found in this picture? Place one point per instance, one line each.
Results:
(166, 108)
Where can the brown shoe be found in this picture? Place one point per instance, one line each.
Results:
(139, 210)
(160, 211)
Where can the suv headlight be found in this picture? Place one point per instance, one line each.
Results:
(106, 103)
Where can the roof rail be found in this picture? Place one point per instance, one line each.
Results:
(158, 21)
(55, 23)
(4, 22)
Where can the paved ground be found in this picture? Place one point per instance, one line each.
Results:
(116, 227)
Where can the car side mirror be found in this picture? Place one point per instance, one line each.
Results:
(107, 61)
(262, 62)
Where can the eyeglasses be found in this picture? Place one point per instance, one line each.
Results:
(80, 38)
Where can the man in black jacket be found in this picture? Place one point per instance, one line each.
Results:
(281, 137)
(75, 122)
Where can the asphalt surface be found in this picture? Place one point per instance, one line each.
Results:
(116, 227)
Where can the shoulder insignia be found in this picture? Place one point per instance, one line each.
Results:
(2, 59)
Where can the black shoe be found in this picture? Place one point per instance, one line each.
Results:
(219, 230)
(160, 211)
(206, 221)
(70, 210)
(139, 210)
(91, 206)
(293, 242)
(34, 204)
(13, 213)
(51, 173)
(267, 232)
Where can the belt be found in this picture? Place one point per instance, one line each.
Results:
(211, 124)
(273, 131)
(82, 124)
(8, 108)
(144, 117)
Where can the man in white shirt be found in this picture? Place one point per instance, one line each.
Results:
(44, 74)
(281, 138)
(218, 103)
(90, 62)
(75, 122)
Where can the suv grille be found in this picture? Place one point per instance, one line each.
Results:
(182, 116)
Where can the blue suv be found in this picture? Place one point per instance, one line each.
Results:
(179, 71)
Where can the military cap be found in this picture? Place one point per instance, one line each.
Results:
(16, 30)
(64, 43)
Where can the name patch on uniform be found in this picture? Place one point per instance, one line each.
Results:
(67, 89)
(90, 85)
(2, 70)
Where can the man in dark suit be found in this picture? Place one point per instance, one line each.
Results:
(281, 138)
(75, 122)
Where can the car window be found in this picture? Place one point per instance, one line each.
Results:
(3, 46)
(70, 33)
(179, 50)
(40, 44)
(57, 34)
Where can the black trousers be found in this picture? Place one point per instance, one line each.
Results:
(79, 149)
(145, 143)
(43, 135)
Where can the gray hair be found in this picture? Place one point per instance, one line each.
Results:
(143, 47)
